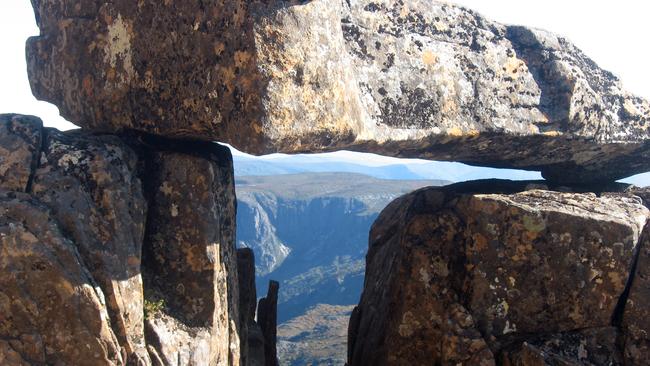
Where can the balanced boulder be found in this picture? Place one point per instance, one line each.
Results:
(403, 78)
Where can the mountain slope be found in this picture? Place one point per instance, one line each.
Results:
(310, 232)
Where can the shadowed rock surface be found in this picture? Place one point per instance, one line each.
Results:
(189, 243)
(267, 311)
(636, 314)
(401, 78)
(72, 267)
(20, 144)
(479, 274)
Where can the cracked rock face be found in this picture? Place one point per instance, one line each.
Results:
(480, 274)
(190, 244)
(402, 78)
(51, 310)
(636, 317)
(77, 212)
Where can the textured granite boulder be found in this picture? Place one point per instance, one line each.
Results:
(189, 258)
(51, 310)
(477, 273)
(403, 78)
(636, 315)
(20, 144)
(91, 184)
(115, 250)
(592, 346)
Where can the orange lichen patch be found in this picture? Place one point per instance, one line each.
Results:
(227, 76)
(450, 107)
(455, 132)
(513, 67)
(242, 58)
(87, 85)
(219, 48)
(480, 242)
(429, 58)
(473, 133)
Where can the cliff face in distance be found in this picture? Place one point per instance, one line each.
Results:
(309, 232)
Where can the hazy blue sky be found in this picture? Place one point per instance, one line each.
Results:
(614, 34)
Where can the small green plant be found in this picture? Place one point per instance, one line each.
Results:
(151, 307)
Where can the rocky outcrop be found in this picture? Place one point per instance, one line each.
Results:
(20, 144)
(122, 244)
(92, 187)
(635, 319)
(190, 244)
(413, 79)
(491, 273)
(267, 311)
(51, 309)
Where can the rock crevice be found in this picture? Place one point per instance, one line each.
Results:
(151, 223)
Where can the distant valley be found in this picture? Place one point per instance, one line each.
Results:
(307, 218)
(309, 231)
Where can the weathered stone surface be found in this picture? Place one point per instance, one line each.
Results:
(247, 298)
(190, 258)
(71, 271)
(51, 310)
(461, 273)
(267, 318)
(404, 78)
(595, 346)
(91, 184)
(636, 315)
(20, 144)
(255, 346)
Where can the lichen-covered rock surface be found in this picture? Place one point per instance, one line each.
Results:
(190, 244)
(491, 273)
(636, 315)
(400, 77)
(51, 309)
(77, 212)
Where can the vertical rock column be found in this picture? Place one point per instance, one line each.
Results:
(247, 298)
(267, 317)
(189, 257)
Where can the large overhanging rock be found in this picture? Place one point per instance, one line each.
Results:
(402, 78)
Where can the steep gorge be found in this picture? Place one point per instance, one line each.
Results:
(309, 232)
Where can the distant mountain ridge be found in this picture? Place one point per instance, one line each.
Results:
(381, 167)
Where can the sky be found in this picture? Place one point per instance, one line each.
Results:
(614, 34)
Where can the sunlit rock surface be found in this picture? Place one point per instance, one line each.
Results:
(402, 78)
(116, 250)
(478, 273)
